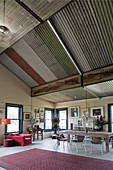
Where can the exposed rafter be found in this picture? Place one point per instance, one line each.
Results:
(91, 77)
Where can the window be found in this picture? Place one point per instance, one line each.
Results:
(49, 114)
(14, 112)
(110, 117)
(62, 114)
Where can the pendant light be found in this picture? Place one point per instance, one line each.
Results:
(3, 28)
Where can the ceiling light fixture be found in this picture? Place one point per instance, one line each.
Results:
(3, 28)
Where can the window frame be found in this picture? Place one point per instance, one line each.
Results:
(109, 117)
(57, 114)
(20, 117)
(52, 116)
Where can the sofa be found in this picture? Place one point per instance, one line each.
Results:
(20, 139)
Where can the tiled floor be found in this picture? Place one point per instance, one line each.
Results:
(51, 144)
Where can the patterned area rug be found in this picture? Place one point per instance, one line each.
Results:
(37, 159)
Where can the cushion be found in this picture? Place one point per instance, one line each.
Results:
(27, 138)
(14, 134)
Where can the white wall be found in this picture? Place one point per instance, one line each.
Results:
(13, 90)
(90, 104)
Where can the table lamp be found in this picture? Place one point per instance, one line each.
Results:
(5, 121)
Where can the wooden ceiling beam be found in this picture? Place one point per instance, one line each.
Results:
(88, 78)
(63, 84)
(98, 75)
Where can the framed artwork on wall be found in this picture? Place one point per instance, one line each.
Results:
(75, 112)
(41, 110)
(37, 120)
(97, 111)
(37, 115)
(27, 115)
(79, 123)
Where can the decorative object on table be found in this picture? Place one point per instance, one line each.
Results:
(75, 112)
(32, 122)
(97, 111)
(55, 122)
(27, 115)
(99, 122)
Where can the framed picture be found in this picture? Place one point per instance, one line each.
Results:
(42, 117)
(85, 112)
(97, 111)
(79, 123)
(41, 110)
(37, 120)
(27, 115)
(37, 116)
(2, 113)
(75, 112)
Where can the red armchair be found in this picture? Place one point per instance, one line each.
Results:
(20, 139)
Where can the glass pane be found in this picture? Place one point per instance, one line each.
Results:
(62, 117)
(48, 120)
(48, 114)
(62, 124)
(13, 112)
(62, 114)
(48, 124)
(14, 126)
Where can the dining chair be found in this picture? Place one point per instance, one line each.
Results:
(97, 142)
(61, 138)
(78, 140)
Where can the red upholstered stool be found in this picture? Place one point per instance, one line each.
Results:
(8, 142)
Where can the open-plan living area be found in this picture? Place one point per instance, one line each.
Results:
(56, 84)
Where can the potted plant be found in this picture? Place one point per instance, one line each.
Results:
(55, 122)
(99, 123)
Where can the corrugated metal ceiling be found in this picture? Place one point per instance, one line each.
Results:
(86, 28)
(68, 95)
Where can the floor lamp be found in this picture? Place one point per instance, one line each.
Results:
(5, 122)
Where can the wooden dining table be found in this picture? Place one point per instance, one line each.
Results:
(105, 135)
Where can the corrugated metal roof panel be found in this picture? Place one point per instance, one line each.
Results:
(18, 20)
(78, 27)
(34, 41)
(47, 35)
(45, 8)
(102, 89)
(26, 52)
(68, 95)
(16, 70)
